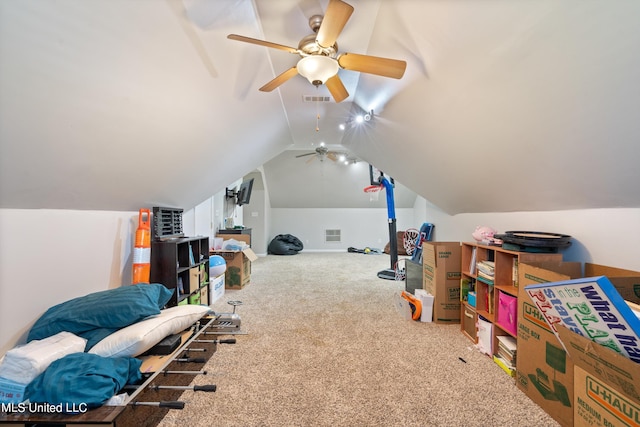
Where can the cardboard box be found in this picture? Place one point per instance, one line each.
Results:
(441, 278)
(606, 384)
(545, 374)
(246, 238)
(204, 295)
(216, 289)
(469, 322)
(194, 280)
(625, 281)
(238, 273)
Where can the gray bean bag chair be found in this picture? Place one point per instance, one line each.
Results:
(285, 244)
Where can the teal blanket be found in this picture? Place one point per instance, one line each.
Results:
(82, 381)
(99, 314)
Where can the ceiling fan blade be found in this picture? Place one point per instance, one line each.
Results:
(303, 155)
(373, 65)
(311, 159)
(335, 18)
(332, 157)
(279, 80)
(337, 89)
(262, 43)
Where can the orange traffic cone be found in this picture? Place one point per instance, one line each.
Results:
(142, 249)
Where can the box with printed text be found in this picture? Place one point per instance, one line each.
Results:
(441, 263)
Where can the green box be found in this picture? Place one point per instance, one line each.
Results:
(194, 298)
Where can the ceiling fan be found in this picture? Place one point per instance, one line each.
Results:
(321, 153)
(320, 59)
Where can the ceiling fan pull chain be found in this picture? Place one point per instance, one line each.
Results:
(317, 115)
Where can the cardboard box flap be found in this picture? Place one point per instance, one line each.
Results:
(245, 238)
(250, 254)
(551, 271)
(432, 251)
(229, 254)
(592, 270)
(627, 287)
(602, 362)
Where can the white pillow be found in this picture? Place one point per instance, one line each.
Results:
(135, 339)
(25, 362)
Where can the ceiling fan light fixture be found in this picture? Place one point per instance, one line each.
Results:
(317, 68)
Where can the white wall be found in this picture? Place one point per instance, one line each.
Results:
(360, 227)
(50, 256)
(600, 236)
(254, 218)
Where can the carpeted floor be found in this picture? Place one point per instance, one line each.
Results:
(326, 347)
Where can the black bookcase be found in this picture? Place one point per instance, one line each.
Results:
(182, 264)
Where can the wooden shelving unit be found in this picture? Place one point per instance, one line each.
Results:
(505, 281)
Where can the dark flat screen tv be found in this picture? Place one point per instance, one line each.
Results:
(244, 192)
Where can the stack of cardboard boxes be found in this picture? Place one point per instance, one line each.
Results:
(577, 381)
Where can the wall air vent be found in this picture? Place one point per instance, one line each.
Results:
(331, 236)
(315, 98)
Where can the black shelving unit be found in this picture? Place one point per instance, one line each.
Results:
(181, 264)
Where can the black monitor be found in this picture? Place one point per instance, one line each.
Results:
(244, 192)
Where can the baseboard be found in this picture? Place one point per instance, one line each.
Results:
(323, 250)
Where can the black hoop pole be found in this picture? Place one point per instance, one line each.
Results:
(393, 243)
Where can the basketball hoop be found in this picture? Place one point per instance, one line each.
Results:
(373, 191)
(410, 239)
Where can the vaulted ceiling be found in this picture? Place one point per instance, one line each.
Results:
(506, 105)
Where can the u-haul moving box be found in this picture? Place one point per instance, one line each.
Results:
(441, 263)
(606, 382)
(544, 372)
(547, 374)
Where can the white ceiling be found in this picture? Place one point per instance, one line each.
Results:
(506, 105)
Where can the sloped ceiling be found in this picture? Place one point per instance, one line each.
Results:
(506, 105)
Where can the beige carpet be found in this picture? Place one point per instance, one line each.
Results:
(326, 347)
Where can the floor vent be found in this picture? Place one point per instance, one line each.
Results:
(331, 236)
(314, 98)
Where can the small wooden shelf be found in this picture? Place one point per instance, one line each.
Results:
(505, 280)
